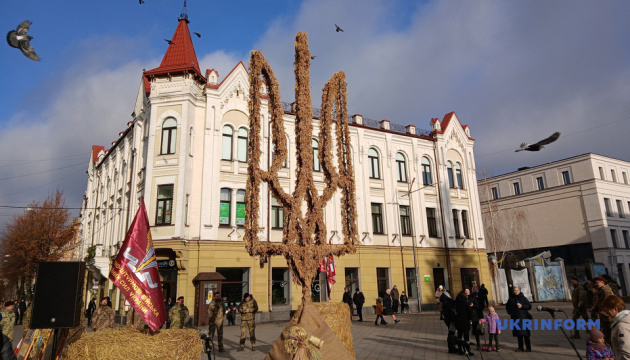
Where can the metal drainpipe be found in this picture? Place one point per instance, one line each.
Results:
(444, 238)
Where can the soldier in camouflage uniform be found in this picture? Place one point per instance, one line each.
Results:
(178, 314)
(216, 310)
(8, 319)
(134, 320)
(103, 317)
(579, 304)
(248, 309)
(601, 291)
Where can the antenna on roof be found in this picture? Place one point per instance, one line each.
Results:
(184, 14)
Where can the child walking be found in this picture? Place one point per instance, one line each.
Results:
(596, 348)
(493, 328)
(379, 312)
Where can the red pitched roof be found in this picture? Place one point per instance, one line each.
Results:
(180, 56)
(95, 150)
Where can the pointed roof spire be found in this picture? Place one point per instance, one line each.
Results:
(180, 55)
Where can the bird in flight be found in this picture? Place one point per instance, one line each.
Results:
(198, 34)
(313, 57)
(20, 39)
(169, 42)
(338, 29)
(539, 145)
(141, 2)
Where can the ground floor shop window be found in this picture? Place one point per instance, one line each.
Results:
(412, 285)
(236, 283)
(382, 280)
(319, 289)
(169, 283)
(281, 286)
(352, 279)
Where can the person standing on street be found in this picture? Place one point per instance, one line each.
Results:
(395, 299)
(483, 296)
(89, 312)
(438, 295)
(178, 314)
(347, 298)
(518, 307)
(358, 299)
(248, 309)
(616, 309)
(103, 317)
(404, 303)
(464, 310)
(387, 306)
(22, 306)
(231, 313)
(601, 291)
(579, 304)
(8, 319)
(215, 319)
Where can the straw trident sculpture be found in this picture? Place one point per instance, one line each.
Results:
(304, 242)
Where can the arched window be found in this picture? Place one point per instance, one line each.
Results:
(401, 167)
(226, 153)
(241, 148)
(458, 175)
(426, 171)
(449, 170)
(316, 166)
(240, 207)
(375, 171)
(169, 136)
(224, 207)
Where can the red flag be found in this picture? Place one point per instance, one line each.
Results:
(330, 272)
(136, 274)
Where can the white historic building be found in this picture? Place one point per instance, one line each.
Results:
(184, 152)
(578, 208)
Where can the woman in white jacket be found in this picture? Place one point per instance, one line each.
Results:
(620, 329)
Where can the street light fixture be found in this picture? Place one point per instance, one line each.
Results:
(413, 239)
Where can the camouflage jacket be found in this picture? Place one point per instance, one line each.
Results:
(27, 317)
(579, 297)
(216, 310)
(614, 287)
(135, 320)
(103, 318)
(598, 299)
(252, 306)
(7, 323)
(178, 315)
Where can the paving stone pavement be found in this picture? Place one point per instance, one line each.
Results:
(417, 336)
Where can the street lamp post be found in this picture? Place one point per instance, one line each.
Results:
(413, 240)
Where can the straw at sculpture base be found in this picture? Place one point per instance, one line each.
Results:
(126, 343)
(316, 325)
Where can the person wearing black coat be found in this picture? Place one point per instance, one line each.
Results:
(518, 308)
(448, 310)
(90, 311)
(387, 305)
(464, 314)
(6, 352)
(347, 298)
(476, 313)
(483, 296)
(359, 299)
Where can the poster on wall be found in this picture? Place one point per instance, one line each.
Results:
(549, 282)
(224, 214)
(240, 214)
(520, 279)
(503, 286)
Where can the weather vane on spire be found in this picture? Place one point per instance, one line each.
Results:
(184, 14)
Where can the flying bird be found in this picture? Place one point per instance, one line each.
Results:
(21, 40)
(539, 145)
(198, 34)
(141, 2)
(338, 29)
(169, 42)
(313, 57)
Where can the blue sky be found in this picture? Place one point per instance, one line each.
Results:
(513, 71)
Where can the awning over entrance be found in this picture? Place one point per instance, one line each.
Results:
(208, 276)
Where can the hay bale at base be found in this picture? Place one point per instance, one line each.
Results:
(126, 343)
(313, 323)
(337, 317)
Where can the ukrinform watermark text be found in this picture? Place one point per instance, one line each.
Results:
(547, 324)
